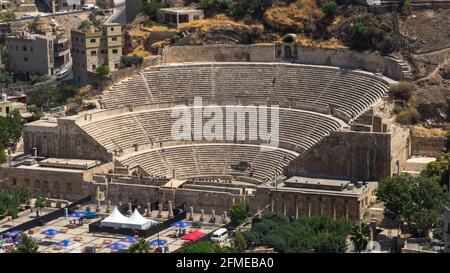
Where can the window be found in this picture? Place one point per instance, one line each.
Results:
(31, 48)
(93, 53)
(24, 48)
(94, 67)
(25, 59)
(115, 51)
(112, 29)
(103, 51)
(82, 52)
(76, 39)
(114, 38)
(93, 40)
(116, 65)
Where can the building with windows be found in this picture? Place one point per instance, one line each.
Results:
(7, 106)
(94, 48)
(28, 54)
(179, 15)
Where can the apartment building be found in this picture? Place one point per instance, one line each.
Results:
(30, 53)
(93, 48)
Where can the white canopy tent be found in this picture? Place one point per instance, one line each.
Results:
(137, 221)
(115, 219)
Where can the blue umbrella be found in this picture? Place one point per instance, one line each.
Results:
(13, 233)
(181, 224)
(51, 232)
(129, 239)
(157, 242)
(116, 246)
(65, 243)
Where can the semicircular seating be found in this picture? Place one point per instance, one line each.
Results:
(301, 94)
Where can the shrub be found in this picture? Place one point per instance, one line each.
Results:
(408, 116)
(402, 90)
(83, 24)
(331, 9)
(129, 61)
(148, 23)
(359, 38)
(103, 70)
(3, 158)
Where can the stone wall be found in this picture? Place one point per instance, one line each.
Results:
(219, 53)
(360, 155)
(352, 60)
(428, 146)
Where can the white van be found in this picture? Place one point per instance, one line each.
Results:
(219, 235)
(88, 6)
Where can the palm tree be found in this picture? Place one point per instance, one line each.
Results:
(40, 204)
(140, 247)
(360, 236)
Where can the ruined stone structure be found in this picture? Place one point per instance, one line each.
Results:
(329, 125)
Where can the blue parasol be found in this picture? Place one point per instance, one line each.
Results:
(51, 232)
(13, 233)
(181, 224)
(116, 246)
(129, 239)
(65, 243)
(157, 242)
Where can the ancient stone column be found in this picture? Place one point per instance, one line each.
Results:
(108, 207)
(225, 217)
(98, 206)
(202, 215)
(160, 210)
(213, 216)
(170, 215)
(149, 210)
(191, 213)
(130, 208)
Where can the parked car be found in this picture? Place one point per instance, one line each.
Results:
(62, 74)
(88, 7)
(26, 16)
(59, 12)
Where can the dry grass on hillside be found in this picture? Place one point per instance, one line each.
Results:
(422, 131)
(140, 51)
(308, 42)
(208, 24)
(294, 13)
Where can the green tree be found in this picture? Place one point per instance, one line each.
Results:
(21, 194)
(42, 97)
(438, 170)
(416, 200)
(39, 204)
(200, 247)
(151, 8)
(140, 246)
(103, 70)
(360, 236)
(6, 79)
(331, 9)
(10, 127)
(239, 243)
(26, 245)
(129, 61)
(238, 213)
(3, 157)
(36, 113)
(359, 38)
